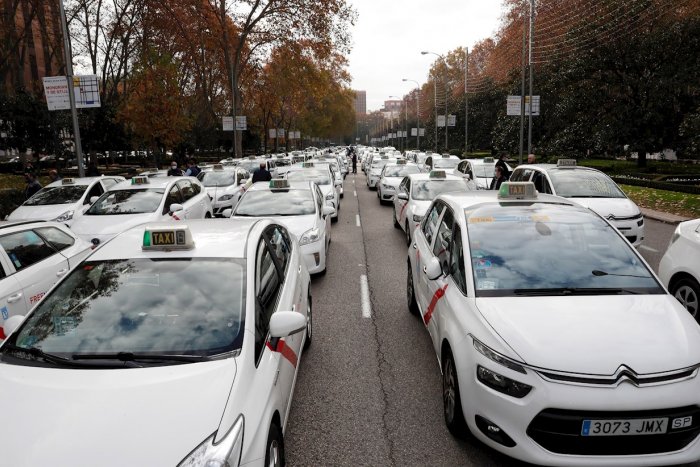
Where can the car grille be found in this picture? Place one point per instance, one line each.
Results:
(559, 431)
(622, 374)
(632, 239)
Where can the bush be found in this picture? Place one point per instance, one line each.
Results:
(10, 199)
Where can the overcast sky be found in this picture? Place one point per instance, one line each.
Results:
(390, 34)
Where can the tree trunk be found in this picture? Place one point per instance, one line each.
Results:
(642, 156)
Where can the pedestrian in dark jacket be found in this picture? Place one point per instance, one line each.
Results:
(32, 185)
(501, 162)
(192, 169)
(498, 179)
(174, 170)
(262, 174)
(354, 162)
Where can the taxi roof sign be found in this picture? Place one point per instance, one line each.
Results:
(279, 184)
(167, 238)
(517, 190)
(566, 163)
(488, 160)
(401, 162)
(307, 165)
(438, 174)
(445, 156)
(68, 181)
(218, 167)
(385, 157)
(140, 180)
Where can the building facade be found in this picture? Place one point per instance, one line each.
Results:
(360, 102)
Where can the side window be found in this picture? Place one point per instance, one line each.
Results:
(408, 186)
(196, 188)
(56, 237)
(457, 260)
(402, 185)
(241, 175)
(25, 248)
(541, 183)
(267, 286)
(186, 190)
(96, 190)
(430, 223)
(444, 238)
(279, 246)
(429, 162)
(173, 197)
(3, 273)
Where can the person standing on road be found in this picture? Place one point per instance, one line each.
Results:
(32, 185)
(501, 162)
(354, 162)
(174, 170)
(192, 169)
(498, 179)
(53, 175)
(262, 174)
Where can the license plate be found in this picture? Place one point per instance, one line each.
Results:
(630, 427)
(166, 238)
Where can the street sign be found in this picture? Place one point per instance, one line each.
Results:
(514, 105)
(56, 91)
(227, 123)
(273, 133)
(451, 120)
(86, 89)
(297, 134)
(280, 132)
(441, 121)
(422, 132)
(414, 131)
(241, 122)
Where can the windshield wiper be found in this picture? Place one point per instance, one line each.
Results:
(572, 291)
(132, 357)
(40, 354)
(598, 273)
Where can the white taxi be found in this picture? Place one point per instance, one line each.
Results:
(298, 205)
(140, 347)
(588, 187)
(444, 162)
(391, 176)
(34, 255)
(323, 176)
(480, 171)
(142, 200)
(679, 268)
(63, 200)
(374, 172)
(416, 192)
(224, 185)
(557, 343)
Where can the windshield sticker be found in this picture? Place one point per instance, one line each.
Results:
(483, 264)
(487, 284)
(480, 220)
(5, 313)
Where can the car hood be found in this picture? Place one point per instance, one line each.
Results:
(298, 225)
(392, 181)
(47, 213)
(110, 225)
(111, 417)
(595, 335)
(618, 207)
(215, 192)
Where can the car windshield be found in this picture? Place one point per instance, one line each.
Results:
(249, 165)
(574, 183)
(57, 195)
(141, 306)
(420, 158)
(440, 163)
(276, 203)
(484, 170)
(401, 170)
(569, 250)
(378, 164)
(321, 177)
(282, 162)
(138, 201)
(218, 178)
(427, 190)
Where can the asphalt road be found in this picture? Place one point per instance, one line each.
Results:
(369, 390)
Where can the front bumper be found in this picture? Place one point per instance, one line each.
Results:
(632, 229)
(314, 255)
(372, 181)
(545, 425)
(387, 194)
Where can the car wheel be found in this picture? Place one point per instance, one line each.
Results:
(411, 293)
(408, 235)
(207, 215)
(687, 291)
(309, 324)
(274, 453)
(451, 400)
(396, 223)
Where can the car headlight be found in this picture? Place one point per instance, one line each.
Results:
(227, 452)
(225, 197)
(66, 216)
(496, 357)
(310, 236)
(330, 197)
(417, 218)
(501, 383)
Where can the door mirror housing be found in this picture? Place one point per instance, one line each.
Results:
(176, 207)
(286, 323)
(433, 269)
(227, 212)
(12, 323)
(403, 195)
(93, 199)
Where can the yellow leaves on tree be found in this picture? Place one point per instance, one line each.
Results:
(154, 110)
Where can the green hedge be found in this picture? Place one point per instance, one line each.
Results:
(10, 198)
(695, 190)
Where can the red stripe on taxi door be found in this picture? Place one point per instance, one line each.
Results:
(284, 350)
(439, 293)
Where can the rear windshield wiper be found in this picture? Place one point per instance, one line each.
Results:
(573, 291)
(132, 357)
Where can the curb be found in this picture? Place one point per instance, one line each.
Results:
(664, 217)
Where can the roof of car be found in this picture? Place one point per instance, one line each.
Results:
(426, 176)
(77, 181)
(293, 185)
(470, 198)
(158, 182)
(548, 167)
(9, 224)
(213, 238)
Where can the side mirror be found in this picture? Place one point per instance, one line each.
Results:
(176, 207)
(328, 210)
(286, 323)
(433, 269)
(93, 199)
(12, 323)
(403, 195)
(227, 212)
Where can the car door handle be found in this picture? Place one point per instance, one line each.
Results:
(299, 269)
(415, 246)
(14, 298)
(61, 272)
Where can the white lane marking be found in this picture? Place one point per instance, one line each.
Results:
(364, 292)
(354, 193)
(357, 219)
(648, 248)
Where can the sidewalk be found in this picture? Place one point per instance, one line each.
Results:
(663, 216)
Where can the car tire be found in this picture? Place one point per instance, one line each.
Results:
(687, 291)
(451, 399)
(411, 292)
(396, 223)
(309, 324)
(207, 215)
(274, 449)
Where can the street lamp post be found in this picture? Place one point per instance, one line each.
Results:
(417, 111)
(445, 62)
